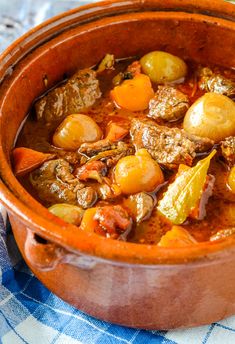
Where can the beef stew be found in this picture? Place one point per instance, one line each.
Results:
(138, 149)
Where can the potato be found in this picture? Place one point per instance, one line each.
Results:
(69, 213)
(75, 130)
(136, 173)
(231, 179)
(211, 116)
(163, 67)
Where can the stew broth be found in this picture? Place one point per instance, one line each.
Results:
(220, 207)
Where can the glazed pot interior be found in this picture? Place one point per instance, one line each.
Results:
(202, 38)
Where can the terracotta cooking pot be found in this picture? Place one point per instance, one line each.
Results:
(130, 284)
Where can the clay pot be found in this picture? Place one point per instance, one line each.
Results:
(134, 285)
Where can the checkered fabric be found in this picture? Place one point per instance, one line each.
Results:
(29, 312)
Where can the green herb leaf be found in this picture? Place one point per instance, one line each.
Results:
(185, 192)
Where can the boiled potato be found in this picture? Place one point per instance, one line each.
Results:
(75, 130)
(138, 173)
(163, 67)
(69, 213)
(231, 179)
(211, 116)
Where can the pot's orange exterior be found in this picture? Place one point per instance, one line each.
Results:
(113, 280)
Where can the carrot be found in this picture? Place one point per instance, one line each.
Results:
(26, 160)
(115, 132)
(177, 237)
(89, 224)
(133, 94)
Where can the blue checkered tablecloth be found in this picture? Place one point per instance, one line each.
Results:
(29, 312)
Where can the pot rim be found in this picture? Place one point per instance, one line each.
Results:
(47, 224)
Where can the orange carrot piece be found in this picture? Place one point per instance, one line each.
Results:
(133, 94)
(89, 224)
(177, 237)
(26, 160)
(115, 132)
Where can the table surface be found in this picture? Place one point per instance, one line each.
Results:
(17, 17)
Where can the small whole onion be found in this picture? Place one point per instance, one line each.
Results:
(211, 116)
(163, 67)
(137, 173)
(75, 130)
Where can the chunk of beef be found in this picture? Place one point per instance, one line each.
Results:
(55, 183)
(114, 134)
(123, 149)
(91, 149)
(107, 63)
(72, 158)
(79, 92)
(92, 170)
(142, 205)
(168, 104)
(228, 150)
(106, 151)
(107, 190)
(168, 146)
(86, 197)
(215, 82)
(114, 221)
(132, 70)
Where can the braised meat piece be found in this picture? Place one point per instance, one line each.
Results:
(79, 92)
(114, 221)
(168, 104)
(168, 146)
(132, 70)
(106, 150)
(228, 150)
(141, 204)
(86, 197)
(114, 134)
(215, 82)
(72, 158)
(107, 63)
(55, 183)
(123, 149)
(91, 149)
(91, 170)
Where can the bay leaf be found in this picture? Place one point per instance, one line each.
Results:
(185, 192)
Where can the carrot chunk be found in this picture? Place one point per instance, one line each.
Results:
(115, 132)
(177, 237)
(133, 94)
(26, 160)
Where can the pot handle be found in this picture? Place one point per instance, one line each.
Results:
(41, 253)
